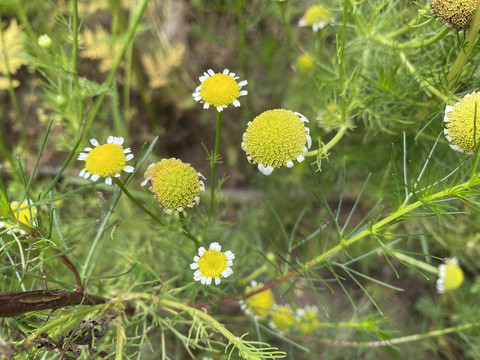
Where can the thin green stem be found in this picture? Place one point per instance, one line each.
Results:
(152, 215)
(417, 263)
(128, 39)
(425, 84)
(136, 202)
(201, 314)
(469, 44)
(414, 44)
(324, 149)
(213, 162)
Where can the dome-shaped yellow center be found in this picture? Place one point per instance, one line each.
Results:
(105, 160)
(455, 12)
(275, 137)
(308, 322)
(175, 183)
(463, 123)
(219, 90)
(305, 63)
(261, 303)
(453, 277)
(283, 318)
(316, 14)
(212, 263)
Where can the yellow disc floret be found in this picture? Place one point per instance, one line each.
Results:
(275, 138)
(22, 212)
(283, 318)
(106, 160)
(462, 125)
(219, 90)
(176, 184)
(308, 319)
(450, 275)
(454, 12)
(316, 14)
(212, 263)
(261, 303)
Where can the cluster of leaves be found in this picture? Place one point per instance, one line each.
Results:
(383, 173)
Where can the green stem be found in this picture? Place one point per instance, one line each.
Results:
(330, 144)
(417, 337)
(201, 314)
(414, 44)
(395, 216)
(152, 215)
(469, 44)
(425, 84)
(136, 202)
(213, 162)
(128, 39)
(417, 263)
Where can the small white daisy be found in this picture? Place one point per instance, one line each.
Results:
(105, 161)
(450, 275)
(212, 264)
(219, 89)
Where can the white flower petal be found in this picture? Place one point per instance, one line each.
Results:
(108, 180)
(95, 177)
(94, 142)
(217, 281)
(289, 164)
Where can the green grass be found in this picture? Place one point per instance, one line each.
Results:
(357, 230)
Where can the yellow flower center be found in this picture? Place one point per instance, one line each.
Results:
(455, 12)
(462, 122)
(453, 276)
(175, 183)
(219, 90)
(212, 263)
(308, 322)
(305, 63)
(275, 137)
(260, 303)
(105, 160)
(23, 213)
(316, 14)
(283, 318)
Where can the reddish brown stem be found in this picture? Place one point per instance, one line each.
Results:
(17, 303)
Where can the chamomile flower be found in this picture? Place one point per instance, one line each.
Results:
(317, 17)
(219, 89)
(22, 212)
(283, 318)
(454, 13)
(276, 138)
(212, 264)
(462, 129)
(450, 275)
(305, 64)
(105, 161)
(260, 304)
(307, 319)
(176, 184)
